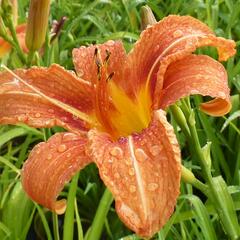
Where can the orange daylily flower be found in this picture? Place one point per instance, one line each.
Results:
(114, 112)
(5, 47)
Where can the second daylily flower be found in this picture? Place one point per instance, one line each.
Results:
(111, 110)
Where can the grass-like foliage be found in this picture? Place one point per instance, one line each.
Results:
(207, 208)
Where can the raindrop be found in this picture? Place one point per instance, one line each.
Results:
(116, 152)
(62, 148)
(37, 115)
(50, 110)
(131, 172)
(49, 157)
(155, 150)
(152, 186)
(132, 188)
(69, 155)
(141, 156)
(177, 34)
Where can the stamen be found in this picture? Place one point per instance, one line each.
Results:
(108, 53)
(110, 76)
(57, 103)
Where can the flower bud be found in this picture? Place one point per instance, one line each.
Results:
(37, 24)
(147, 17)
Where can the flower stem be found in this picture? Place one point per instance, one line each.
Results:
(15, 41)
(101, 214)
(68, 227)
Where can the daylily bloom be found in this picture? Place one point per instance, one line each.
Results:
(5, 47)
(114, 112)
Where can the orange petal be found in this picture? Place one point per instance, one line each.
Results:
(84, 60)
(21, 32)
(197, 74)
(169, 40)
(143, 173)
(52, 164)
(5, 47)
(20, 104)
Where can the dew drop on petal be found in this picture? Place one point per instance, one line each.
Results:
(155, 150)
(132, 188)
(141, 156)
(128, 161)
(80, 72)
(68, 155)
(116, 152)
(37, 115)
(62, 148)
(152, 186)
(177, 34)
(49, 156)
(70, 137)
(131, 172)
(110, 43)
(116, 175)
(50, 110)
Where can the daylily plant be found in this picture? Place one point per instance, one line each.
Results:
(114, 112)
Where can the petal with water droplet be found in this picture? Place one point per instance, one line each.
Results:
(55, 82)
(175, 37)
(84, 60)
(144, 200)
(49, 167)
(197, 74)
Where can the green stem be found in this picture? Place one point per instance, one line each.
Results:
(30, 58)
(55, 226)
(68, 228)
(101, 214)
(16, 43)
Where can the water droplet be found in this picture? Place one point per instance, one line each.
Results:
(177, 34)
(128, 161)
(50, 110)
(80, 72)
(116, 175)
(62, 148)
(70, 137)
(110, 43)
(156, 47)
(155, 150)
(37, 115)
(116, 152)
(132, 188)
(131, 172)
(141, 156)
(22, 118)
(221, 95)
(152, 186)
(49, 157)
(69, 155)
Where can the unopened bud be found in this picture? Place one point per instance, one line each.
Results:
(187, 176)
(37, 24)
(147, 17)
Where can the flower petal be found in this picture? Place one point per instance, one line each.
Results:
(143, 173)
(84, 60)
(197, 74)
(5, 47)
(52, 164)
(21, 32)
(170, 39)
(20, 102)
